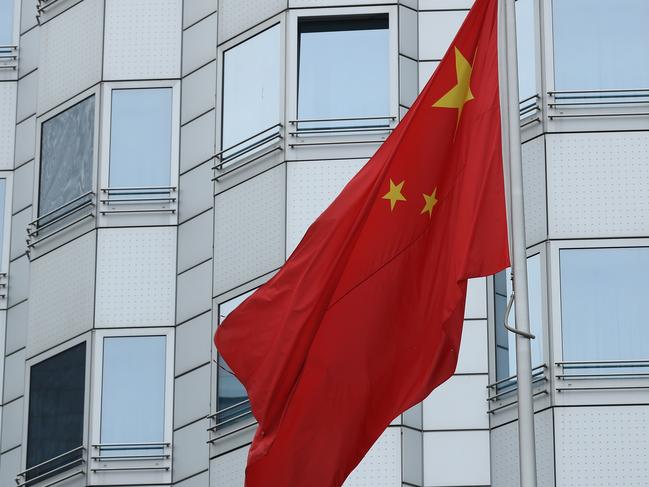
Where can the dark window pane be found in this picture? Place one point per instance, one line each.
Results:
(343, 69)
(56, 399)
(66, 156)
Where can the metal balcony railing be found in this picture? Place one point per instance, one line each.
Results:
(61, 218)
(606, 375)
(147, 456)
(530, 110)
(54, 469)
(508, 386)
(3, 285)
(599, 103)
(139, 199)
(9, 57)
(226, 421)
(329, 131)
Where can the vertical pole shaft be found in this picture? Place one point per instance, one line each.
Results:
(526, 443)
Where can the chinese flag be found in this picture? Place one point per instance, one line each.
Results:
(364, 320)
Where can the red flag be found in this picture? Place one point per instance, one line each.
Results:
(365, 317)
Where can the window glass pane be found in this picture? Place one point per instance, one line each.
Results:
(525, 39)
(344, 69)
(251, 87)
(505, 340)
(3, 193)
(604, 306)
(133, 393)
(229, 390)
(596, 42)
(6, 22)
(140, 138)
(66, 156)
(56, 400)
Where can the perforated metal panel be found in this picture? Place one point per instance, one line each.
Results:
(582, 200)
(229, 469)
(142, 39)
(602, 446)
(311, 187)
(381, 467)
(7, 124)
(534, 190)
(249, 231)
(70, 53)
(436, 31)
(136, 276)
(504, 452)
(236, 16)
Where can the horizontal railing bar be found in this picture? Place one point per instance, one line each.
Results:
(627, 375)
(345, 130)
(613, 90)
(491, 411)
(232, 432)
(54, 482)
(133, 445)
(530, 122)
(533, 97)
(230, 420)
(117, 469)
(139, 188)
(244, 164)
(342, 119)
(101, 458)
(512, 377)
(534, 106)
(586, 115)
(602, 388)
(348, 142)
(106, 201)
(598, 103)
(277, 125)
(535, 380)
(62, 206)
(221, 411)
(42, 6)
(51, 460)
(246, 150)
(601, 362)
(39, 228)
(139, 210)
(52, 471)
(59, 230)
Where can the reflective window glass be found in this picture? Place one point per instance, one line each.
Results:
(604, 306)
(596, 42)
(251, 87)
(6, 22)
(133, 394)
(525, 40)
(56, 402)
(229, 390)
(140, 138)
(505, 340)
(66, 165)
(343, 69)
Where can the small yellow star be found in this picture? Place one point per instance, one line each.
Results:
(431, 201)
(461, 92)
(394, 194)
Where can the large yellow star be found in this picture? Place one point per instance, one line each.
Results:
(394, 194)
(431, 201)
(461, 92)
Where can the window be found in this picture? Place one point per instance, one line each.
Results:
(140, 138)
(596, 42)
(604, 307)
(66, 163)
(251, 88)
(133, 396)
(505, 340)
(6, 22)
(343, 70)
(230, 392)
(525, 39)
(56, 407)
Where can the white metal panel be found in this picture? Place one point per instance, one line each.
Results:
(26, 100)
(504, 452)
(311, 187)
(18, 287)
(426, 70)
(534, 190)
(16, 318)
(14, 376)
(28, 60)
(19, 222)
(7, 124)
(436, 31)
(229, 469)
(70, 53)
(142, 39)
(199, 44)
(381, 466)
(62, 294)
(192, 395)
(195, 10)
(197, 141)
(249, 229)
(10, 466)
(25, 140)
(459, 403)
(476, 299)
(195, 241)
(408, 35)
(136, 277)
(200, 480)
(198, 92)
(412, 457)
(602, 446)
(23, 187)
(27, 15)
(456, 458)
(473, 348)
(190, 450)
(236, 16)
(193, 343)
(597, 184)
(194, 292)
(12, 424)
(444, 4)
(408, 80)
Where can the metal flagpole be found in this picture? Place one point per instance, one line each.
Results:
(526, 443)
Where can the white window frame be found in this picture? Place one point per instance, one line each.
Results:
(223, 180)
(348, 150)
(130, 218)
(86, 337)
(5, 242)
(153, 476)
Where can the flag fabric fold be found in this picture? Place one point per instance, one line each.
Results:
(365, 318)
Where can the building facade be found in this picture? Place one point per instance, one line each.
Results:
(160, 159)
